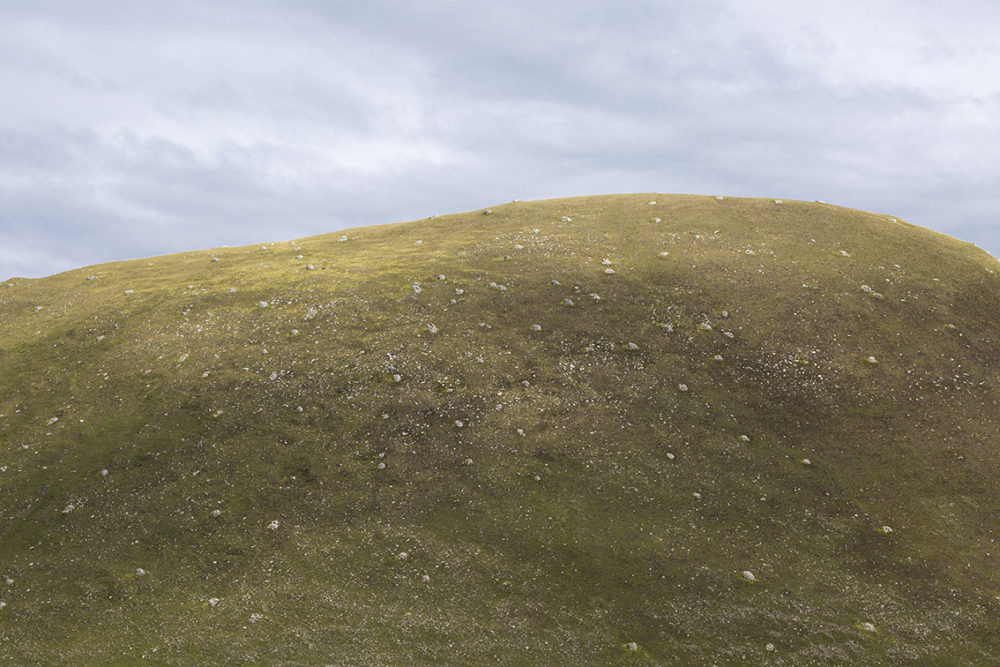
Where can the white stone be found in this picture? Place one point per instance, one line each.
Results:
(213, 602)
(632, 646)
(433, 329)
(745, 438)
(425, 578)
(256, 618)
(216, 513)
(609, 271)
(536, 327)
(568, 302)
(468, 462)
(396, 377)
(139, 572)
(459, 423)
(868, 627)
(309, 267)
(311, 313)
(718, 357)
(806, 462)
(68, 509)
(402, 555)
(273, 525)
(262, 304)
(104, 472)
(605, 261)
(682, 387)
(749, 576)
(632, 346)
(181, 359)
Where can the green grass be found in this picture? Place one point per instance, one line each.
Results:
(585, 502)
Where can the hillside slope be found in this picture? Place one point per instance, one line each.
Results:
(726, 430)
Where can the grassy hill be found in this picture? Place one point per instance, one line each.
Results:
(637, 429)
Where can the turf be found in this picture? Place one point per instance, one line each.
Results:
(642, 429)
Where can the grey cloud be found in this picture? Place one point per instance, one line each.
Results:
(155, 127)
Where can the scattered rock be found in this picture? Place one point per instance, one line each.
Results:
(311, 313)
(256, 618)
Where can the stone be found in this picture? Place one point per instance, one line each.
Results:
(262, 304)
(273, 525)
(632, 646)
(749, 576)
(396, 377)
(139, 572)
(402, 555)
(216, 513)
(536, 327)
(212, 602)
(632, 346)
(682, 387)
(433, 329)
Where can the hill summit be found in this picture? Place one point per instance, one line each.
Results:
(649, 429)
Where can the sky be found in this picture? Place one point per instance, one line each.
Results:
(140, 128)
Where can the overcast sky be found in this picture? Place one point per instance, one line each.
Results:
(137, 128)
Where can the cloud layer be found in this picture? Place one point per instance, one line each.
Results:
(135, 129)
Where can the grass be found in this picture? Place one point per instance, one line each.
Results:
(585, 502)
